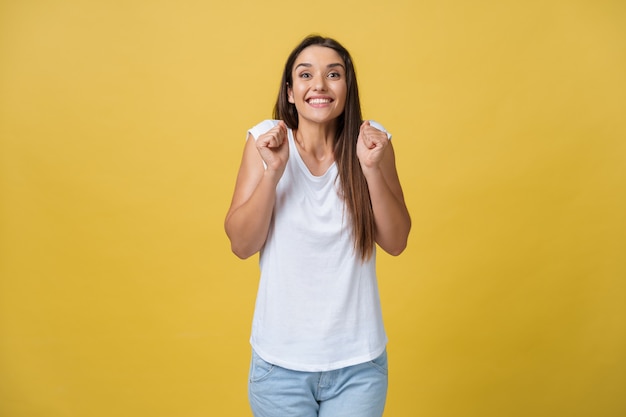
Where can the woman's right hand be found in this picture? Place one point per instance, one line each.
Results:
(273, 147)
(250, 213)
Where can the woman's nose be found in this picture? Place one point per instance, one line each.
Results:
(320, 84)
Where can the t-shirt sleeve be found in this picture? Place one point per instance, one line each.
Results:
(380, 127)
(262, 127)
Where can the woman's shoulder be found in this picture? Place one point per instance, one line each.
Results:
(262, 127)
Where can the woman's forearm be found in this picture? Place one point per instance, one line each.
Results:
(391, 216)
(247, 225)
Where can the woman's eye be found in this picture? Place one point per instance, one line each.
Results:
(305, 75)
(334, 75)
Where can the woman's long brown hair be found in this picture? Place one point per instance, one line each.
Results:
(353, 184)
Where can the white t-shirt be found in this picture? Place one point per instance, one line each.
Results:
(317, 306)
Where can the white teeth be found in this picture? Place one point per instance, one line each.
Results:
(319, 100)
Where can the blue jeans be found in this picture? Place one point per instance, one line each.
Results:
(354, 391)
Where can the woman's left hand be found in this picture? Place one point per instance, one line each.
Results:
(371, 146)
(391, 217)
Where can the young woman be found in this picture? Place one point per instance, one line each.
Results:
(316, 191)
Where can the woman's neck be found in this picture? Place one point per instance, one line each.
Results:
(316, 140)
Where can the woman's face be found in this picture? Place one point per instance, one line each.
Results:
(319, 84)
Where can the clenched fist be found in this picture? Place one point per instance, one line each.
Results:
(273, 147)
(371, 146)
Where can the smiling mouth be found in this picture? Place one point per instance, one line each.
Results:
(319, 100)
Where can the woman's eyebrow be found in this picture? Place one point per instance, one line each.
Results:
(307, 65)
(303, 64)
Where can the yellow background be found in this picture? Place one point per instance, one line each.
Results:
(121, 130)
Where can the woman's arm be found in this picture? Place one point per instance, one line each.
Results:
(248, 219)
(391, 216)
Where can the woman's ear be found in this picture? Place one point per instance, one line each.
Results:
(290, 95)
